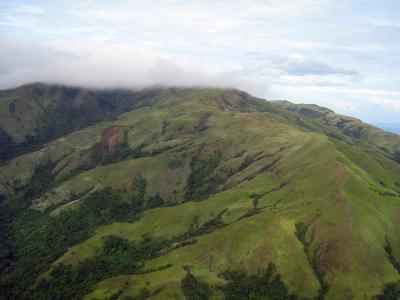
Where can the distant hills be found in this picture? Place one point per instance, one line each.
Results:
(183, 193)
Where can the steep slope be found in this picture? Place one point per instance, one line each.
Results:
(37, 113)
(194, 185)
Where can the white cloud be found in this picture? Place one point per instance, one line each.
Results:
(315, 80)
(385, 23)
(30, 9)
(345, 106)
(200, 17)
(97, 64)
(386, 102)
(288, 8)
(386, 99)
(4, 20)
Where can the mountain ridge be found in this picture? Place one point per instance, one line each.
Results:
(202, 183)
(70, 93)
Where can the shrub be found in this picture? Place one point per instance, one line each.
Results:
(195, 289)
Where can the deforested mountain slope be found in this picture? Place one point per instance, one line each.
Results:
(193, 195)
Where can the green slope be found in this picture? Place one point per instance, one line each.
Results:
(36, 113)
(201, 182)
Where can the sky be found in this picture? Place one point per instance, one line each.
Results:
(341, 54)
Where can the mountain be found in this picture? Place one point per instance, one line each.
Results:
(36, 113)
(172, 193)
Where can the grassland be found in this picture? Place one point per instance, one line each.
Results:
(243, 184)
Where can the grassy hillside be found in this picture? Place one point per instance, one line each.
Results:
(35, 114)
(348, 129)
(204, 194)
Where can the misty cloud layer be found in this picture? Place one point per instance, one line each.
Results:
(106, 66)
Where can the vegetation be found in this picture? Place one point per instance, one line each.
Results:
(62, 110)
(200, 183)
(123, 152)
(195, 289)
(392, 259)
(6, 144)
(301, 230)
(391, 292)
(265, 285)
(40, 181)
(118, 209)
(31, 237)
(118, 256)
(155, 201)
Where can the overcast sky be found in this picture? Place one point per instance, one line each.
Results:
(343, 54)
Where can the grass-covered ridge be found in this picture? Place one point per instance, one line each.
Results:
(204, 188)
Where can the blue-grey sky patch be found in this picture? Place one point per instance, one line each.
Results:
(340, 54)
(307, 67)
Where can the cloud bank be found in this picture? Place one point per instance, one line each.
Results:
(108, 65)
